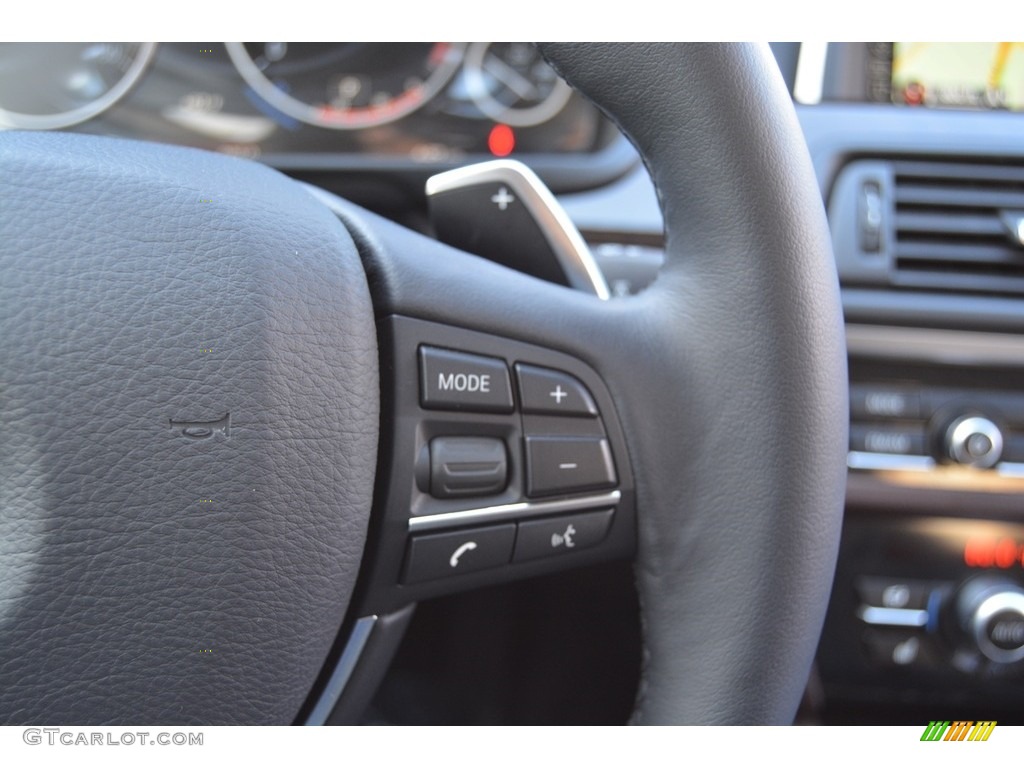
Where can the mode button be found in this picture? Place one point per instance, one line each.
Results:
(462, 382)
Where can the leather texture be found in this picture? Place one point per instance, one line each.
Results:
(147, 576)
(729, 373)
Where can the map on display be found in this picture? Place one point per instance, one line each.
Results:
(981, 75)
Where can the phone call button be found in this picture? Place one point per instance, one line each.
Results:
(437, 555)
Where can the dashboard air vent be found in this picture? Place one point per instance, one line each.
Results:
(959, 225)
(931, 224)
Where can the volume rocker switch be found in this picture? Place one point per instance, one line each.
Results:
(467, 466)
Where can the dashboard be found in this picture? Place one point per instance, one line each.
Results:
(919, 154)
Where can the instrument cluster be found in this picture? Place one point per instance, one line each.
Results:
(415, 103)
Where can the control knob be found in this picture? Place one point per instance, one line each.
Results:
(974, 441)
(990, 613)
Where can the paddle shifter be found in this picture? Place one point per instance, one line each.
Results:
(502, 211)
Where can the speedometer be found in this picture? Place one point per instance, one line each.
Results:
(346, 85)
(54, 85)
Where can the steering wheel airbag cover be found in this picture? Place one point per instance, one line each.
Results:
(152, 571)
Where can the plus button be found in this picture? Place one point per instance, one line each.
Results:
(503, 199)
(558, 394)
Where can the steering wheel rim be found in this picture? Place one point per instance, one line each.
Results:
(733, 130)
(745, 321)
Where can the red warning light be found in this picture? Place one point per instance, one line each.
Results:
(501, 141)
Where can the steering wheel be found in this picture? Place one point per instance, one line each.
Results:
(190, 394)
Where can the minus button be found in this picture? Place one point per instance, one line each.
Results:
(568, 464)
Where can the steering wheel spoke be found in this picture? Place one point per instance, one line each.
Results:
(503, 458)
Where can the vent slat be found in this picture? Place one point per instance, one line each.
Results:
(949, 228)
(961, 282)
(966, 253)
(958, 197)
(944, 223)
(955, 172)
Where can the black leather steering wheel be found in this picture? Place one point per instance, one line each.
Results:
(190, 407)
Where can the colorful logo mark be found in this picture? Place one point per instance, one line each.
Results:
(959, 730)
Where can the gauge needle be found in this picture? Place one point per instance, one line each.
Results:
(518, 84)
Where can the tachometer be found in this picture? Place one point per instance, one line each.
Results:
(346, 85)
(54, 85)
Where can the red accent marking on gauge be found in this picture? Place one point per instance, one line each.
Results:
(358, 115)
(438, 53)
(412, 96)
(501, 140)
(331, 114)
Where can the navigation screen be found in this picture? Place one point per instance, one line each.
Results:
(971, 75)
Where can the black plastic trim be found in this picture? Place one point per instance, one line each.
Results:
(370, 667)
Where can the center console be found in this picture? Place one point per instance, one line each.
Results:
(928, 604)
